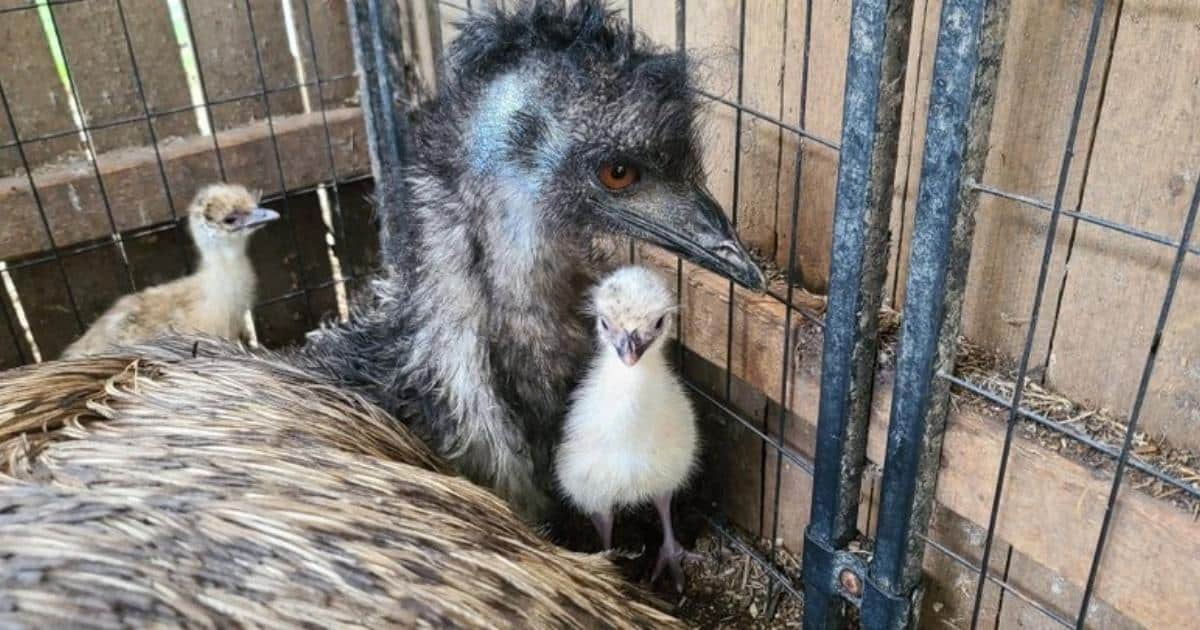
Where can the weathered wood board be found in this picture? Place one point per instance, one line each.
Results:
(37, 100)
(226, 34)
(1029, 132)
(1144, 170)
(73, 203)
(827, 50)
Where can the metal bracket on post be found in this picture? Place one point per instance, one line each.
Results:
(879, 35)
(379, 57)
(967, 61)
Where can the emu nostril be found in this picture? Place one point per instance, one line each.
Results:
(729, 250)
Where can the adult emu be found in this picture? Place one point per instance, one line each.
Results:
(554, 126)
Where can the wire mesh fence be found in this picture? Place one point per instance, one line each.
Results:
(946, 256)
(148, 101)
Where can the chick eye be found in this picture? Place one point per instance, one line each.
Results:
(604, 323)
(618, 176)
(659, 324)
(231, 219)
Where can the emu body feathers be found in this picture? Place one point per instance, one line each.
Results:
(237, 491)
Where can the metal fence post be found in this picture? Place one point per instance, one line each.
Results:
(379, 57)
(879, 36)
(967, 61)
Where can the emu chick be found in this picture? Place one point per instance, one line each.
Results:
(630, 433)
(213, 300)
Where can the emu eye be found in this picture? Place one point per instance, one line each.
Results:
(618, 175)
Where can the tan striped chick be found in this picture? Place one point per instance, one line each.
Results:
(213, 300)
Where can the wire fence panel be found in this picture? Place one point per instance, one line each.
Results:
(110, 111)
(1014, 508)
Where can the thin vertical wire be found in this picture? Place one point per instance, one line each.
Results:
(1048, 249)
(737, 164)
(262, 79)
(681, 48)
(37, 198)
(632, 37)
(91, 149)
(162, 171)
(791, 286)
(337, 197)
(187, 18)
(1147, 371)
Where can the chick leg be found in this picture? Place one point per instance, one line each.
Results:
(604, 523)
(671, 554)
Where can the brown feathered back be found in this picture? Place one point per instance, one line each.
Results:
(212, 492)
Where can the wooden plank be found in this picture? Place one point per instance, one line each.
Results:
(949, 600)
(97, 278)
(329, 21)
(424, 41)
(73, 204)
(287, 255)
(97, 59)
(1052, 506)
(1034, 101)
(160, 257)
(35, 95)
(758, 199)
(450, 16)
(94, 46)
(226, 50)
(823, 117)
(1029, 131)
(1143, 173)
(161, 67)
(13, 350)
(657, 20)
(360, 252)
(1057, 594)
(712, 35)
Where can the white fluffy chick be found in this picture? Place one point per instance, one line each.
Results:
(630, 435)
(213, 300)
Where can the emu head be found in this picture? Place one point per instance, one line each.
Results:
(586, 127)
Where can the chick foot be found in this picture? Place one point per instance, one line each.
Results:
(672, 555)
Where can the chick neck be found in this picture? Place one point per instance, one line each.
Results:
(225, 268)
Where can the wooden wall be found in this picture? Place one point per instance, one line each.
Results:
(72, 65)
(1136, 163)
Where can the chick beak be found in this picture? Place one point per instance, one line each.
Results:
(257, 217)
(685, 219)
(628, 349)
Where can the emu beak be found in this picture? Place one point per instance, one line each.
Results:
(257, 217)
(629, 348)
(687, 221)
